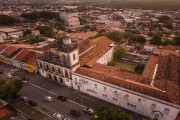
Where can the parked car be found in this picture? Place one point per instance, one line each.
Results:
(25, 82)
(48, 98)
(9, 76)
(24, 98)
(57, 116)
(32, 103)
(89, 110)
(75, 113)
(62, 98)
(16, 96)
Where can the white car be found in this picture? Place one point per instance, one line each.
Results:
(25, 82)
(89, 110)
(57, 116)
(9, 76)
(48, 98)
(24, 98)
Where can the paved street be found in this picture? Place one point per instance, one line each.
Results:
(40, 87)
(37, 94)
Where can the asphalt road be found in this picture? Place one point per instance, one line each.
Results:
(49, 108)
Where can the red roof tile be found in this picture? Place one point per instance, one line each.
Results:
(128, 84)
(101, 45)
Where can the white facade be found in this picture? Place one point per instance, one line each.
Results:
(8, 33)
(106, 57)
(125, 98)
(61, 75)
(148, 48)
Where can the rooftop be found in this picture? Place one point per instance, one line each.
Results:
(95, 49)
(7, 29)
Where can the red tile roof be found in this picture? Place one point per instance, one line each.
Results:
(128, 84)
(2, 47)
(21, 55)
(168, 76)
(10, 50)
(99, 47)
(122, 74)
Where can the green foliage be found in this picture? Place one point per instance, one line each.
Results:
(108, 113)
(119, 51)
(58, 42)
(164, 18)
(139, 68)
(115, 36)
(138, 48)
(46, 31)
(112, 63)
(151, 34)
(35, 40)
(156, 40)
(7, 20)
(7, 90)
(177, 40)
(27, 32)
(45, 15)
(60, 25)
(139, 39)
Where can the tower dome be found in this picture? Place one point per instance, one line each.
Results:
(67, 40)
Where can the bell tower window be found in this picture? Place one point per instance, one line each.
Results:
(74, 57)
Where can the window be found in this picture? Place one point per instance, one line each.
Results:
(126, 97)
(115, 99)
(131, 105)
(59, 71)
(105, 88)
(74, 56)
(104, 95)
(139, 100)
(66, 73)
(47, 67)
(95, 85)
(40, 65)
(53, 69)
(166, 111)
(153, 106)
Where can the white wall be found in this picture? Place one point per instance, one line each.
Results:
(143, 106)
(106, 57)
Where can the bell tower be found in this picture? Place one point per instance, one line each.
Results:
(68, 53)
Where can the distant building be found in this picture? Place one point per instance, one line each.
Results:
(10, 33)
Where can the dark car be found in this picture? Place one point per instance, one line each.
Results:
(32, 103)
(17, 96)
(75, 113)
(62, 98)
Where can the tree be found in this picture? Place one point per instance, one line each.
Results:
(7, 20)
(156, 40)
(35, 40)
(177, 40)
(115, 36)
(46, 31)
(7, 90)
(119, 51)
(139, 39)
(108, 113)
(139, 68)
(27, 32)
(164, 18)
(112, 63)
